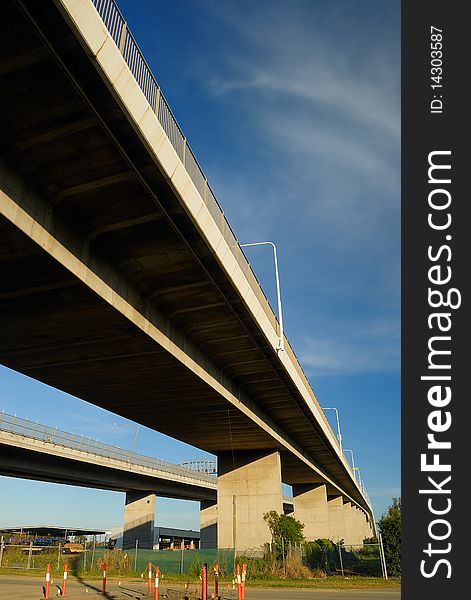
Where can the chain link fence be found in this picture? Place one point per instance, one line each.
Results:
(327, 558)
(336, 559)
(35, 558)
(319, 559)
(90, 559)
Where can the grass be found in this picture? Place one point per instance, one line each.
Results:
(118, 567)
(330, 582)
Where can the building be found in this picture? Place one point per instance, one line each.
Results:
(165, 538)
(49, 535)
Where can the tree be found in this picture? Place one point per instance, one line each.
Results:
(284, 529)
(390, 527)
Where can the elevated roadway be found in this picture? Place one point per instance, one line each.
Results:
(122, 283)
(47, 454)
(35, 451)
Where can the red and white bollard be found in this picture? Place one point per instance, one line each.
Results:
(244, 571)
(239, 583)
(149, 578)
(103, 581)
(204, 582)
(64, 581)
(48, 581)
(156, 583)
(216, 580)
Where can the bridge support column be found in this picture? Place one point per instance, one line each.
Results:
(249, 485)
(353, 528)
(310, 507)
(208, 524)
(362, 527)
(370, 531)
(365, 530)
(337, 530)
(139, 516)
(351, 536)
(361, 524)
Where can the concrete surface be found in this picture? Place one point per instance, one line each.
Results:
(249, 485)
(208, 524)
(30, 588)
(139, 516)
(23, 456)
(337, 529)
(310, 507)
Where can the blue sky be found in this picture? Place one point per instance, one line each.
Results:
(293, 111)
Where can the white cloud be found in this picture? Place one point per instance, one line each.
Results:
(368, 346)
(321, 118)
(330, 123)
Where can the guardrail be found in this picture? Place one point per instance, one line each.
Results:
(202, 465)
(53, 435)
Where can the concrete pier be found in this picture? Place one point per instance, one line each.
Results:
(310, 507)
(337, 529)
(139, 516)
(249, 485)
(208, 524)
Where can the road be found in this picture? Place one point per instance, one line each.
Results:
(31, 588)
(287, 594)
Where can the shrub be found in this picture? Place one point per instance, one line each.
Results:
(320, 555)
(117, 562)
(270, 567)
(285, 531)
(390, 526)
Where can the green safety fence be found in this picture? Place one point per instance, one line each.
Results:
(118, 562)
(333, 559)
(183, 561)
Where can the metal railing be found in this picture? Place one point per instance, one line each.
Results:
(53, 435)
(202, 465)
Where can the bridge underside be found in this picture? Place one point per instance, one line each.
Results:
(73, 161)
(57, 331)
(30, 464)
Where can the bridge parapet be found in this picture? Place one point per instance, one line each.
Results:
(53, 435)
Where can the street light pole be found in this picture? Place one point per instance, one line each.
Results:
(281, 342)
(136, 427)
(339, 435)
(353, 460)
(360, 481)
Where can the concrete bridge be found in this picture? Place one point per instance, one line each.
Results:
(36, 451)
(122, 283)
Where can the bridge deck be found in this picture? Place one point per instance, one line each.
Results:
(78, 165)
